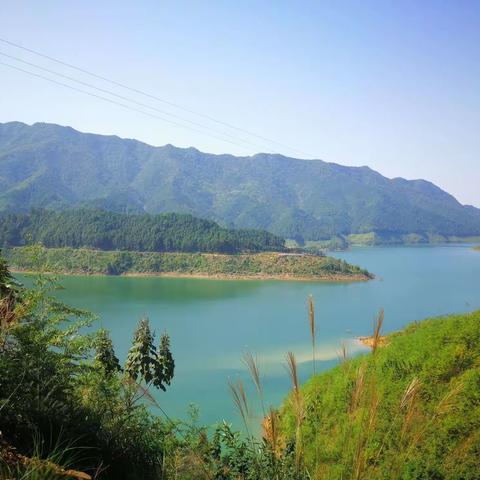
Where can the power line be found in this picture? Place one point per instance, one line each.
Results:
(154, 97)
(109, 92)
(129, 107)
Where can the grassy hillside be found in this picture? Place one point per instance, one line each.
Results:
(373, 238)
(168, 232)
(55, 167)
(260, 265)
(411, 410)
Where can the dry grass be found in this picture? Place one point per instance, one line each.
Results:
(408, 405)
(270, 432)
(363, 409)
(358, 388)
(377, 331)
(298, 407)
(239, 396)
(251, 363)
(448, 401)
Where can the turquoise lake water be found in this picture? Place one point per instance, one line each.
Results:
(213, 322)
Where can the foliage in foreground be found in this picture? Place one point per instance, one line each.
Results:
(69, 410)
(64, 391)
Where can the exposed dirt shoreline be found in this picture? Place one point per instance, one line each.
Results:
(207, 276)
(368, 341)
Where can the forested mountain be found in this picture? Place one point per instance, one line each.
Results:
(56, 167)
(168, 232)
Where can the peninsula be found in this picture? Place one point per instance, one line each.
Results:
(262, 265)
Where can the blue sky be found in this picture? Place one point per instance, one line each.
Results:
(391, 85)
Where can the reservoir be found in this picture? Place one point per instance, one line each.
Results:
(212, 323)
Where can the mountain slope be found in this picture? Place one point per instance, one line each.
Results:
(50, 166)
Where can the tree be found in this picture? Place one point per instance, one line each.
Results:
(9, 296)
(7, 284)
(105, 354)
(165, 363)
(143, 361)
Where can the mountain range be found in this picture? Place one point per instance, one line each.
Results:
(56, 167)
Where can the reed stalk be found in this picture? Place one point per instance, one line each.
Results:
(311, 321)
(377, 330)
(239, 397)
(298, 407)
(271, 438)
(251, 363)
(366, 398)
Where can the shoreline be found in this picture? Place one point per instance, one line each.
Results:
(367, 341)
(207, 276)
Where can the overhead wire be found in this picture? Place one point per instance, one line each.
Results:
(129, 107)
(151, 96)
(122, 97)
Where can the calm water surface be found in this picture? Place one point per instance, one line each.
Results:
(212, 323)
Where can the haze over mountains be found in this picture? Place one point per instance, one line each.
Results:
(55, 167)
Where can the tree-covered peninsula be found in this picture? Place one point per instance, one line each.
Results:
(100, 242)
(264, 265)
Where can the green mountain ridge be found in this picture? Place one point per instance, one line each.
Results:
(55, 167)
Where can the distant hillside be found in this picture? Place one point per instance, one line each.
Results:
(168, 232)
(57, 167)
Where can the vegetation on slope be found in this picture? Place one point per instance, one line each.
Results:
(410, 410)
(394, 238)
(55, 167)
(342, 242)
(168, 232)
(68, 410)
(261, 265)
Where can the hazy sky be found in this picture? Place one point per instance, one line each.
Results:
(394, 85)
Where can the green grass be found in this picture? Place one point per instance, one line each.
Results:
(362, 238)
(374, 238)
(410, 411)
(475, 239)
(270, 265)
